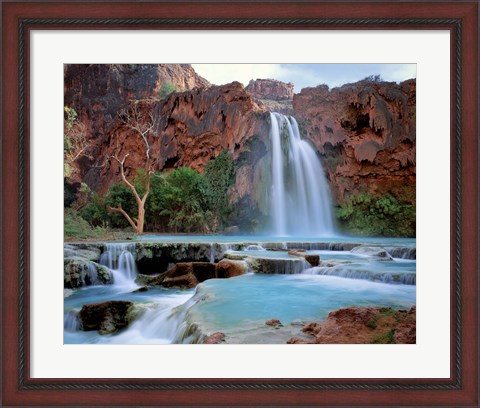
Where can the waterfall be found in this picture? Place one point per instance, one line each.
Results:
(212, 253)
(300, 199)
(119, 258)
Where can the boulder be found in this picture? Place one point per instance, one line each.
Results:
(274, 323)
(74, 271)
(187, 274)
(136, 310)
(79, 272)
(215, 338)
(106, 317)
(228, 268)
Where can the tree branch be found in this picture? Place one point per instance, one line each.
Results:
(120, 210)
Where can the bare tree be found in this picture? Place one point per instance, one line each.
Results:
(140, 122)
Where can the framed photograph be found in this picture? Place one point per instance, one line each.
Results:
(263, 204)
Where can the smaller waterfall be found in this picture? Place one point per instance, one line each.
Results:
(119, 258)
(92, 276)
(71, 322)
(212, 253)
(255, 248)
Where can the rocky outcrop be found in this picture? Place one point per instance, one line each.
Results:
(106, 317)
(273, 95)
(365, 133)
(194, 127)
(270, 89)
(363, 325)
(78, 272)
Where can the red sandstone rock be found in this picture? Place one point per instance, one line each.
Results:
(297, 340)
(274, 323)
(186, 275)
(270, 89)
(363, 325)
(366, 134)
(215, 338)
(227, 268)
(190, 128)
(99, 91)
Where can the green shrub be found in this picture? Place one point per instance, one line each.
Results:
(219, 176)
(182, 200)
(166, 89)
(95, 212)
(377, 216)
(385, 338)
(120, 194)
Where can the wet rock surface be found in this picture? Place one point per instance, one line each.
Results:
(227, 268)
(78, 272)
(106, 317)
(313, 260)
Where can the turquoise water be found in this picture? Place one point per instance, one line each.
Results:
(266, 238)
(248, 301)
(239, 307)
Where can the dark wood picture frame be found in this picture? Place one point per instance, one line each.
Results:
(461, 18)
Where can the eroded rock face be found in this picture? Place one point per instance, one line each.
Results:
(270, 89)
(366, 135)
(98, 92)
(363, 325)
(189, 129)
(106, 317)
(273, 95)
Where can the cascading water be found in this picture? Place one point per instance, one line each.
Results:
(118, 257)
(300, 200)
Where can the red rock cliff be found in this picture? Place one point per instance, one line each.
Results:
(365, 132)
(190, 128)
(270, 89)
(98, 92)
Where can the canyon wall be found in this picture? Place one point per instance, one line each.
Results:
(99, 92)
(365, 133)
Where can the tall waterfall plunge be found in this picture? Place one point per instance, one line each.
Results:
(300, 200)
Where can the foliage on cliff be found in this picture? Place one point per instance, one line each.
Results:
(371, 215)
